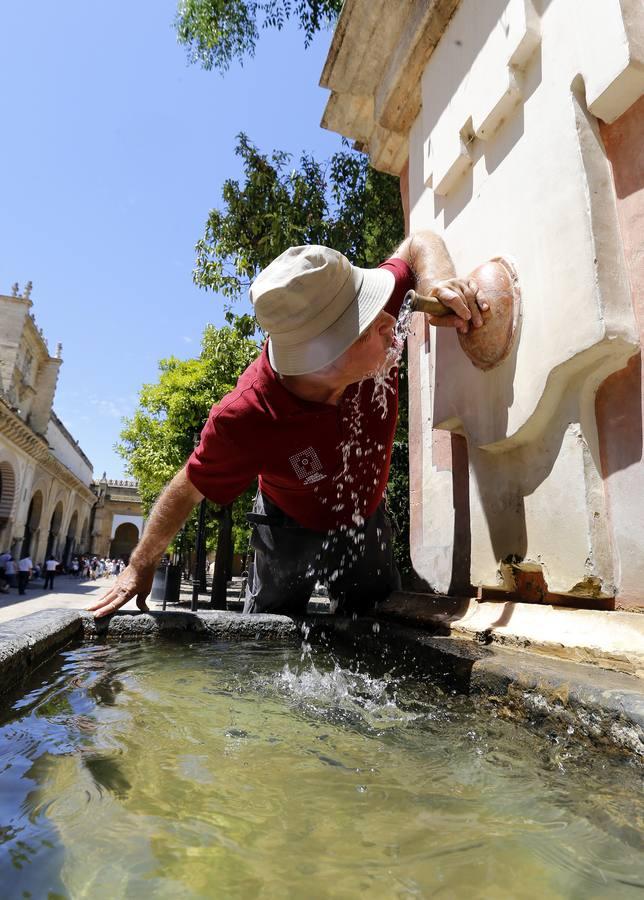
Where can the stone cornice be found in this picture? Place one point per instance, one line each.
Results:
(35, 446)
(129, 501)
(21, 434)
(372, 103)
(56, 468)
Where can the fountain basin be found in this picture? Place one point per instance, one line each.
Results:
(214, 754)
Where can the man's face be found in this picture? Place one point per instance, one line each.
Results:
(367, 355)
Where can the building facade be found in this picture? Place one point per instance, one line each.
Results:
(516, 128)
(48, 501)
(118, 518)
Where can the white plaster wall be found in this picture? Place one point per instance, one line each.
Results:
(505, 158)
(67, 453)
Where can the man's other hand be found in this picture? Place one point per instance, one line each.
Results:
(132, 582)
(463, 297)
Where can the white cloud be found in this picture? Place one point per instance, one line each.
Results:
(114, 407)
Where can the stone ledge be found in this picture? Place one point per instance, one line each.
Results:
(28, 641)
(607, 639)
(216, 624)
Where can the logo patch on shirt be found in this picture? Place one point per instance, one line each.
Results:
(307, 466)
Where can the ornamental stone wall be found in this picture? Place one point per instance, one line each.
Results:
(517, 129)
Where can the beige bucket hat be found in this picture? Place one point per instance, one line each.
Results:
(314, 304)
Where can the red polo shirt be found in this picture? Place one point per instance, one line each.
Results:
(325, 466)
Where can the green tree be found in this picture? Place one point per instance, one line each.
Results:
(341, 202)
(216, 32)
(158, 438)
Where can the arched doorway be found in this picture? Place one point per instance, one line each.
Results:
(7, 496)
(32, 524)
(54, 528)
(124, 541)
(70, 543)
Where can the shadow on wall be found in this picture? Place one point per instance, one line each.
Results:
(504, 480)
(618, 406)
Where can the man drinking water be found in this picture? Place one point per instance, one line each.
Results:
(303, 420)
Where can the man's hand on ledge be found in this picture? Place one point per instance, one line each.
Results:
(463, 297)
(134, 581)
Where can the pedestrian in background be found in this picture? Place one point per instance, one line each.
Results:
(50, 570)
(10, 571)
(25, 567)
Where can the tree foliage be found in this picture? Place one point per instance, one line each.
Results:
(159, 437)
(341, 203)
(216, 32)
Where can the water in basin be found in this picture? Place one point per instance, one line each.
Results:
(208, 770)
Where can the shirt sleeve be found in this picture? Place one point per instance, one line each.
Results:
(226, 461)
(405, 281)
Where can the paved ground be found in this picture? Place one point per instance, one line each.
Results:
(77, 593)
(69, 593)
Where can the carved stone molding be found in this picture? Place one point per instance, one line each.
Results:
(373, 69)
(19, 434)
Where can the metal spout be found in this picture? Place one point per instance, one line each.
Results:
(426, 304)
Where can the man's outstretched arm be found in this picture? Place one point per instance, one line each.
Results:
(168, 515)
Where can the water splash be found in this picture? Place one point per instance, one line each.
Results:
(368, 459)
(342, 695)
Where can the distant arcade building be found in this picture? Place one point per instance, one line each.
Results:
(118, 518)
(49, 503)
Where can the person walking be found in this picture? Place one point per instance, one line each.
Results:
(10, 571)
(306, 419)
(4, 581)
(50, 570)
(25, 568)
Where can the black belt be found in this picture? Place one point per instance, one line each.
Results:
(272, 521)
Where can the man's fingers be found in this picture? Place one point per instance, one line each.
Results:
(140, 602)
(463, 297)
(455, 301)
(481, 302)
(470, 297)
(104, 600)
(110, 602)
(450, 321)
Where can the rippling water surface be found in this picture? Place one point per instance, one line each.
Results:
(209, 770)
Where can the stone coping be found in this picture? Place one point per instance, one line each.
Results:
(609, 639)
(605, 708)
(29, 640)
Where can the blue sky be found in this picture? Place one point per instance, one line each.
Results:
(114, 150)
